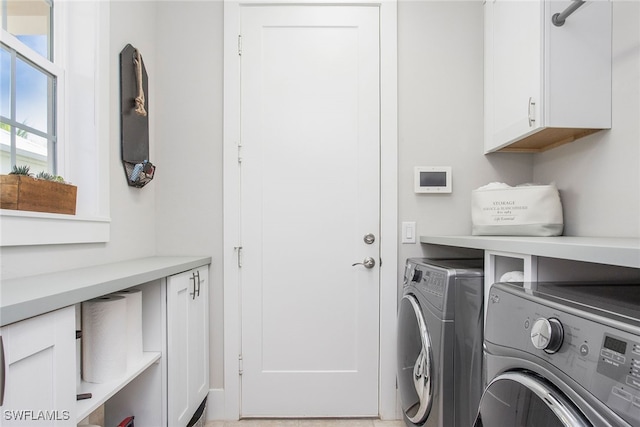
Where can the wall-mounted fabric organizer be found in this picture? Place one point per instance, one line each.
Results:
(134, 118)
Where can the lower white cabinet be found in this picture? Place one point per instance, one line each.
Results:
(39, 365)
(38, 381)
(187, 344)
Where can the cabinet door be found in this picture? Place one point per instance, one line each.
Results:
(513, 70)
(178, 301)
(39, 363)
(199, 339)
(188, 344)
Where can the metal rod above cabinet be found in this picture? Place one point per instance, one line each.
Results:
(558, 19)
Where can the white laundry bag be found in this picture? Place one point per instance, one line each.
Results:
(498, 209)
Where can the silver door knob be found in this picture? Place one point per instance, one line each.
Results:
(369, 238)
(368, 263)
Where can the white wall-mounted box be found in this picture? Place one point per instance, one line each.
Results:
(432, 179)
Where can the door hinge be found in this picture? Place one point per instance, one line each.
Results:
(238, 250)
(239, 45)
(239, 152)
(240, 365)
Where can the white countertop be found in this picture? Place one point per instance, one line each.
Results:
(30, 296)
(618, 251)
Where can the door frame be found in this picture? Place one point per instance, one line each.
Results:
(387, 393)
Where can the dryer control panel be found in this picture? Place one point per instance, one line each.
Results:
(428, 279)
(432, 277)
(431, 283)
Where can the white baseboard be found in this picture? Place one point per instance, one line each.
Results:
(215, 405)
(216, 408)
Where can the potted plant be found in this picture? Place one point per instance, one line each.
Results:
(45, 192)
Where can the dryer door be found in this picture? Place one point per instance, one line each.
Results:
(520, 399)
(414, 361)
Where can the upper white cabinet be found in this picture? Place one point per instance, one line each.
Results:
(187, 344)
(545, 85)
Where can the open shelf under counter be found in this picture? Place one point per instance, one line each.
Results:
(102, 392)
(616, 251)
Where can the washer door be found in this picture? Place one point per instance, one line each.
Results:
(414, 361)
(521, 399)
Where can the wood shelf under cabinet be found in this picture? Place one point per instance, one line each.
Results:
(104, 391)
(546, 139)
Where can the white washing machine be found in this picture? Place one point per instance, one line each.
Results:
(440, 322)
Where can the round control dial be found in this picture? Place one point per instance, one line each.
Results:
(417, 276)
(547, 334)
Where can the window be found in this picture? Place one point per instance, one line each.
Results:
(54, 104)
(29, 77)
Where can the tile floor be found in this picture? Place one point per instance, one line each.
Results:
(306, 423)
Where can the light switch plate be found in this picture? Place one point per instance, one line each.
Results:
(409, 232)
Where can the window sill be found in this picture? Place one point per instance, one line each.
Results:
(23, 228)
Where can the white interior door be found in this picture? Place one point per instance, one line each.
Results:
(310, 124)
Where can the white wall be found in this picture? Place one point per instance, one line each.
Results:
(440, 120)
(180, 211)
(133, 219)
(189, 137)
(440, 123)
(599, 176)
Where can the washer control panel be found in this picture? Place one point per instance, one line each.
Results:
(588, 348)
(620, 361)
